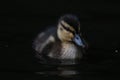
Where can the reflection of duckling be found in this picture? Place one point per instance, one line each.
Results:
(63, 42)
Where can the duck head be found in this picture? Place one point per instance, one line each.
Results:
(69, 30)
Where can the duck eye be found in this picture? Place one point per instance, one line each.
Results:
(67, 29)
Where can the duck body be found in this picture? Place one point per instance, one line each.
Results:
(48, 44)
(58, 43)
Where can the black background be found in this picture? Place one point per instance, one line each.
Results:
(22, 20)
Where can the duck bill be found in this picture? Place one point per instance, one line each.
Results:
(77, 39)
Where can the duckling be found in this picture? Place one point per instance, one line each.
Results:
(62, 42)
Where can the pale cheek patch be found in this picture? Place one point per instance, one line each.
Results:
(71, 35)
(66, 36)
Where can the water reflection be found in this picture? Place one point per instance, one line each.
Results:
(61, 72)
(65, 68)
(67, 71)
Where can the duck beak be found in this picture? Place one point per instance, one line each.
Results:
(77, 39)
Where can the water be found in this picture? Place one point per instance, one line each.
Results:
(18, 60)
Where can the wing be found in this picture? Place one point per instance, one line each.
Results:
(43, 44)
(44, 39)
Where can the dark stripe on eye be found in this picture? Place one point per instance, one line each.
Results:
(67, 29)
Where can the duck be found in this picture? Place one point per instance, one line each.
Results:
(63, 42)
